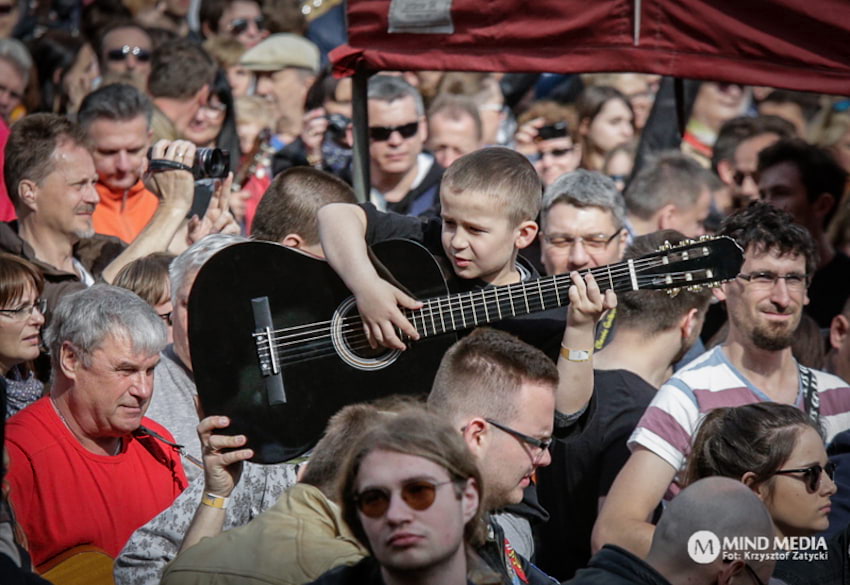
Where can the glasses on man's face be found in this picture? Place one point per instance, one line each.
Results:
(767, 280)
(593, 243)
(540, 444)
(419, 494)
(142, 55)
(25, 311)
(811, 475)
(239, 25)
(382, 133)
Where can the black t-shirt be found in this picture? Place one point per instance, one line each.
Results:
(542, 330)
(829, 290)
(584, 467)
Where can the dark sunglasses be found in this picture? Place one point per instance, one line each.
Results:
(419, 494)
(382, 133)
(239, 25)
(811, 475)
(139, 53)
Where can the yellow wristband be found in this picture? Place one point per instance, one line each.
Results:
(214, 501)
(575, 355)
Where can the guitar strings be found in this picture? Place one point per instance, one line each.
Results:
(552, 283)
(355, 341)
(547, 296)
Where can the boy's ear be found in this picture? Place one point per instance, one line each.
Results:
(526, 232)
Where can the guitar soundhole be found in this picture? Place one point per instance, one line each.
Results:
(350, 342)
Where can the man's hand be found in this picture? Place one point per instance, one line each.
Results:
(176, 188)
(526, 135)
(217, 219)
(313, 132)
(587, 303)
(221, 470)
(379, 306)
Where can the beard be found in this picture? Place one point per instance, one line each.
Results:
(774, 338)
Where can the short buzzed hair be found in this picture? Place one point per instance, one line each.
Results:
(481, 375)
(118, 102)
(502, 174)
(179, 69)
(583, 188)
(671, 177)
(292, 202)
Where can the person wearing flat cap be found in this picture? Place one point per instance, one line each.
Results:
(285, 66)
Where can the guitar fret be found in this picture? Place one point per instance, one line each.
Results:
(472, 306)
(557, 292)
(462, 314)
(440, 309)
(486, 312)
(511, 299)
(498, 303)
(452, 313)
(431, 314)
(525, 296)
(610, 278)
(540, 294)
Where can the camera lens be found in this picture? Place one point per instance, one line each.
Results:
(211, 162)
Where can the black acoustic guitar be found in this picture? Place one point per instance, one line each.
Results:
(277, 344)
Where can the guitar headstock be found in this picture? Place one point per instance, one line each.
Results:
(691, 265)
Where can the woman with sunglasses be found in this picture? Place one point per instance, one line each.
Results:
(411, 493)
(21, 320)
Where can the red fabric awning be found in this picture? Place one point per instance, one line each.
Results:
(795, 44)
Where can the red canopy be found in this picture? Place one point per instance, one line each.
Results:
(795, 44)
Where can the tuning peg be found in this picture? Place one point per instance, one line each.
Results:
(673, 291)
(665, 246)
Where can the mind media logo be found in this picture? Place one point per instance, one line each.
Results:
(704, 547)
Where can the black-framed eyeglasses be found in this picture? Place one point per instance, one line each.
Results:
(121, 54)
(542, 444)
(382, 133)
(239, 25)
(419, 494)
(766, 279)
(165, 317)
(25, 311)
(596, 242)
(811, 475)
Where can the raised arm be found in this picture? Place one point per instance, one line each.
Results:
(575, 364)
(176, 188)
(625, 517)
(342, 229)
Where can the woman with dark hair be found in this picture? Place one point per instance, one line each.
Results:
(778, 451)
(67, 69)
(21, 320)
(605, 121)
(214, 126)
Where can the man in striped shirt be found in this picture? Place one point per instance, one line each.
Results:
(764, 303)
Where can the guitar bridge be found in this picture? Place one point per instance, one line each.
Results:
(266, 352)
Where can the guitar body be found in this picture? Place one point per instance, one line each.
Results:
(303, 294)
(81, 565)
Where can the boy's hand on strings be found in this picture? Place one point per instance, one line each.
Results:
(380, 307)
(587, 302)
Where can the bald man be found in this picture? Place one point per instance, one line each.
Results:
(722, 506)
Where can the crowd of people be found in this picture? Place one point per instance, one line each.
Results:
(583, 436)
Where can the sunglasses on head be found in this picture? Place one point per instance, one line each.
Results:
(811, 475)
(239, 25)
(382, 133)
(419, 494)
(139, 53)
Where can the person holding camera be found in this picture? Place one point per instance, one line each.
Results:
(545, 137)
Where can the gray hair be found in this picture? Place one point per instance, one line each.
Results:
(86, 318)
(389, 88)
(187, 264)
(17, 55)
(671, 177)
(118, 102)
(582, 188)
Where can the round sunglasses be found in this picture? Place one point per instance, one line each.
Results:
(419, 494)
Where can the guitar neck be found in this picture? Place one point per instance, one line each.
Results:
(465, 310)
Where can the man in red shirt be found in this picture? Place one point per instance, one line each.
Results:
(86, 467)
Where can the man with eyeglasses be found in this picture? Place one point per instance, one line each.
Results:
(125, 54)
(754, 364)
(686, 547)
(405, 179)
(582, 223)
(238, 19)
(807, 182)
